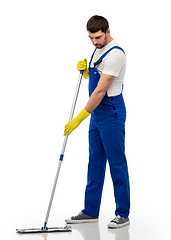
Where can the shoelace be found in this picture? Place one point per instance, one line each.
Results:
(117, 218)
(79, 214)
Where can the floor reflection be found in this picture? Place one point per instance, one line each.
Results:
(120, 233)
(88, 231)
(91, 231)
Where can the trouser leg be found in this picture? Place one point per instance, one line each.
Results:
(113, 138)
(96, 173)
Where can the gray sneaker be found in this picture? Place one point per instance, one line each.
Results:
(81, 218)
(119, 222)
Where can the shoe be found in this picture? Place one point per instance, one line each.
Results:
(119, 222)
(81, 218)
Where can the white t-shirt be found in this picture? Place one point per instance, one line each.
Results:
(114, 64)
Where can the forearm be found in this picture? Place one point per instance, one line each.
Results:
(99, 92)
(94, 100)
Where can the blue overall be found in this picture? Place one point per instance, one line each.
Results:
(107, 142)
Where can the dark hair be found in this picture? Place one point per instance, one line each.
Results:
(97, 23)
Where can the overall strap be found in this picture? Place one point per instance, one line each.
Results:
(92, 55)
(101, 58)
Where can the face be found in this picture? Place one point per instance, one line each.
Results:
(99, 39)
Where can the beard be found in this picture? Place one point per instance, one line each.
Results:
(99, 46)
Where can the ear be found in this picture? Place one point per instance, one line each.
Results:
(108, 32)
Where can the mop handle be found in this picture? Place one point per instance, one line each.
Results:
(63, 150)
(72, 113)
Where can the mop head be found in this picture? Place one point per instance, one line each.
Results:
(41, 230)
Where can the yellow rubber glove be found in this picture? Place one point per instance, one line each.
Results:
(82, 65)
(74, 123)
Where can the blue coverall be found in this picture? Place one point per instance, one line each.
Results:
(107, 142)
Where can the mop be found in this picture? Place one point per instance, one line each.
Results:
(45, 229)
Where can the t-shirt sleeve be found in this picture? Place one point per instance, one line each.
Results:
(113, 63)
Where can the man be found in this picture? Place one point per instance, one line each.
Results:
(107, 125)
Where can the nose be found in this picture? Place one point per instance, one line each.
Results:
(94, 41)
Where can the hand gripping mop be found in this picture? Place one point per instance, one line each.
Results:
(45, 229)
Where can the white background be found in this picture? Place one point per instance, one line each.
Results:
(40, 45)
